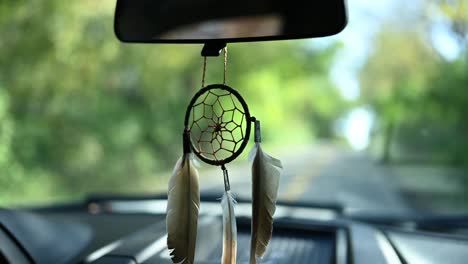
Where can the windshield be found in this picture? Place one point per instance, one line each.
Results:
(373, 118)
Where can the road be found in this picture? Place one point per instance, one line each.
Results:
(322, 173)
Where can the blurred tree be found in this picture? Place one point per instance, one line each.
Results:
(418, 95)
(394, 80)
(81, 112)
(455, 12)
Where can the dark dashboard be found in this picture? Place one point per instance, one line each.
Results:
(132, 232)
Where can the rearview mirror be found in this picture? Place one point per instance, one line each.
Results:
(202, 21)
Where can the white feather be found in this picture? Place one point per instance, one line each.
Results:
(266, 172)
(183, 203)
(229, 229)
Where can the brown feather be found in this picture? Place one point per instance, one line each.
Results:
(183, 204)
(265, 182)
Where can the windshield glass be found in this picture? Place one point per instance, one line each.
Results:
(373, 118)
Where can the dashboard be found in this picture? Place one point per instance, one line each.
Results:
(134, 232)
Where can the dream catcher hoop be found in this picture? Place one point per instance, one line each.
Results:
(217, 129)
(219, 123)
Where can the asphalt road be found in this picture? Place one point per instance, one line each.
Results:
(322, 173)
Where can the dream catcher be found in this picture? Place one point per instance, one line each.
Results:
(217, 129)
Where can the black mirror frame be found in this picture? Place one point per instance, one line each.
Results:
(340, 26)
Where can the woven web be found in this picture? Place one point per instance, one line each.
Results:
(217, 124)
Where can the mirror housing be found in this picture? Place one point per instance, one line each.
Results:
(202, 21)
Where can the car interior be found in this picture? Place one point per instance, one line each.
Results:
(312, 223)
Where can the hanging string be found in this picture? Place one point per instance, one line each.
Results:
(225, 64)
(204, 72)
(225, 67)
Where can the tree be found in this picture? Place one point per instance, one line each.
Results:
(81, 112)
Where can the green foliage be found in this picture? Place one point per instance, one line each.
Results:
(395, 76)
(420, 98)
(81, 112)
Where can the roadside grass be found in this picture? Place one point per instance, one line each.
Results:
(432, 188)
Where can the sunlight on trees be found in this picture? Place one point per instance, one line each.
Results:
(81, 112)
